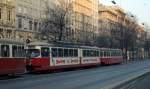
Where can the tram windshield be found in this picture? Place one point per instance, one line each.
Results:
(33, 53)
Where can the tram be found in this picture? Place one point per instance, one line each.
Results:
(12, 58)
(44, 56)
(111, 56)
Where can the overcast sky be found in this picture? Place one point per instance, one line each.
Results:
(140, 8)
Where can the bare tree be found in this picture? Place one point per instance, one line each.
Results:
(131, 32)
(103, 41)
(57, 19)
(103, 38)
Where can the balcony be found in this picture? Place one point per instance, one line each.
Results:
(8, 2)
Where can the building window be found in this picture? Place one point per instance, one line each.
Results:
(0, 13)
(35, 26)
(40, 26)
(9, 33)
(1, 33)
(30, 25)
(19, 22)
(9, 15)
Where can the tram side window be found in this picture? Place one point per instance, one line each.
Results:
(84, 53)
(5, 50)
(120, 53)
(112, 53)
(105, 53)
(54, 52)
(45, 52)
(97, 53)
(60, 52)
(101, 53)
(71, 52)
(14, 51)
(22, 51)
(75, 53)
(66, 52)
(93, 53)
(116, 53)
(19, 51)
(108, 53)
(90, 53)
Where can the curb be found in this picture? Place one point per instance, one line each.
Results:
(127, 81)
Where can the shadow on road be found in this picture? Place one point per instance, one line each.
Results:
(9, 77)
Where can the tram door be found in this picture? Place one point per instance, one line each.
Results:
(45, 55)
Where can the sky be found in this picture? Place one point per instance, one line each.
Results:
(139, 8)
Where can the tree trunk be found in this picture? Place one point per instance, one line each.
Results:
(60, 34)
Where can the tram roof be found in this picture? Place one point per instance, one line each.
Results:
(108, 49)
(89, 47)
(52, 45)
(67, 45)
(11, 41)
(39, 44)
(61, 45)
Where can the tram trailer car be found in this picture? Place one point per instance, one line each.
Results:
(44, 56)
(12, 58)
(111, 56)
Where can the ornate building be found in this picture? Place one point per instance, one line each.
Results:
(28, 18)
(7, 18)
(85, 19)
(82, 19)
(123, 29)
(111, 19)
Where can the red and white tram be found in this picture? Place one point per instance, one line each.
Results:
(44, 56)
(111, 56)
(12, 58)
(90, 56)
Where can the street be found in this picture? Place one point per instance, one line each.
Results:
(141, 82)
(95, 78)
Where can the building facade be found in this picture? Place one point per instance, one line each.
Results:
(85, 19)
(113, 22)
(28, 18)
(7, 19)
(111, 18)
(122, 29)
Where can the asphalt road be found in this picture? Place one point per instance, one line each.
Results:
(95, 78)
(142, 82)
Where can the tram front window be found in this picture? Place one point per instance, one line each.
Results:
(33, 53)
